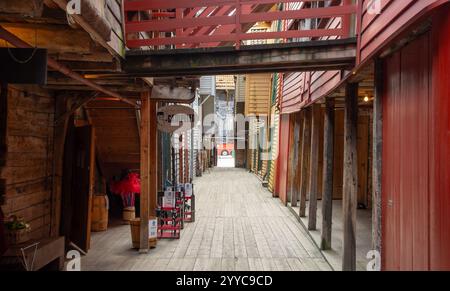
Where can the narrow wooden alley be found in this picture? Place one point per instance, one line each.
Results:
(239, 227)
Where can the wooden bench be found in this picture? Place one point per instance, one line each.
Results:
(50, 255)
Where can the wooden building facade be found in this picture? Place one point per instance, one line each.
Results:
(385, 145)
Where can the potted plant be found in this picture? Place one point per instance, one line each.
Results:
(17, 230)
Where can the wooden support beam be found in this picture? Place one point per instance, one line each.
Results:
(56, 38)
(328, 177)
(314, 167)
(145, 172)
(153, 173)
(350, 187)
(306, 151)
(307, 56)
(377, 155)
(295, 185)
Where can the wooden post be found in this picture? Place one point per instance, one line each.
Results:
(295, 159)
(328, 167)
(153, 172)
(145, 172)
(306, 151)
(350, 187)
(377, 155)
(314, 167)
(290, 173)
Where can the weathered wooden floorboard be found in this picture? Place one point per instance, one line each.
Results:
(239, 226)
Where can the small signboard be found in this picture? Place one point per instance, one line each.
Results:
(23, 66)
(188, 190)
(169, 199)
(153, 228)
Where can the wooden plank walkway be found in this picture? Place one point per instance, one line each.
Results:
(239, 226)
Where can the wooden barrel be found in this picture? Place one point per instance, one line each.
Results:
(135, 225)
(128, 214)
(100, 206)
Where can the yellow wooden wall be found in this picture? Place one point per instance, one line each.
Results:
(257, 94)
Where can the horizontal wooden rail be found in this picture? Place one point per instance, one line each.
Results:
(214, 22)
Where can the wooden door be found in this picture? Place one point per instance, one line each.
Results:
(82, 186)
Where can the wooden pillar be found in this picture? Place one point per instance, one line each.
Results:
(148, 161)
(314, 167)
(306, 151)
(153, 172)
(295, 173)
(291, 166)
(350, 187)
(377, 155)
(328, 167)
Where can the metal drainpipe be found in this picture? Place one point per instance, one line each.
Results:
(17, 42)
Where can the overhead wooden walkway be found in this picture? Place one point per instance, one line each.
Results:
(303, 56)
(239, 227)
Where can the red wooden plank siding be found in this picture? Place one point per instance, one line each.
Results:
(283, 158)
(378, 29)
(416, 147)
(405, 168)
(440, 144)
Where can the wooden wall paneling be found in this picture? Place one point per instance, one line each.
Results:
(440, 145)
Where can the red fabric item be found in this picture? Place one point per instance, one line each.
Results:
(131, 184)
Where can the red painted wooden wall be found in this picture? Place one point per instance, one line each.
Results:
(440, 143)
(283, 159)
(416, 191)
(379, 29)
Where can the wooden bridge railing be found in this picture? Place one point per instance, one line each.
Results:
(204, 23)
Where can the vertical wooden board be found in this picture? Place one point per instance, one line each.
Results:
(290, 176)
(415, 95)
(153, 174)
(391, 166)
(440, 143)
(283, 158)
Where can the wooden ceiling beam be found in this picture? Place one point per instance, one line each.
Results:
(56, 38)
